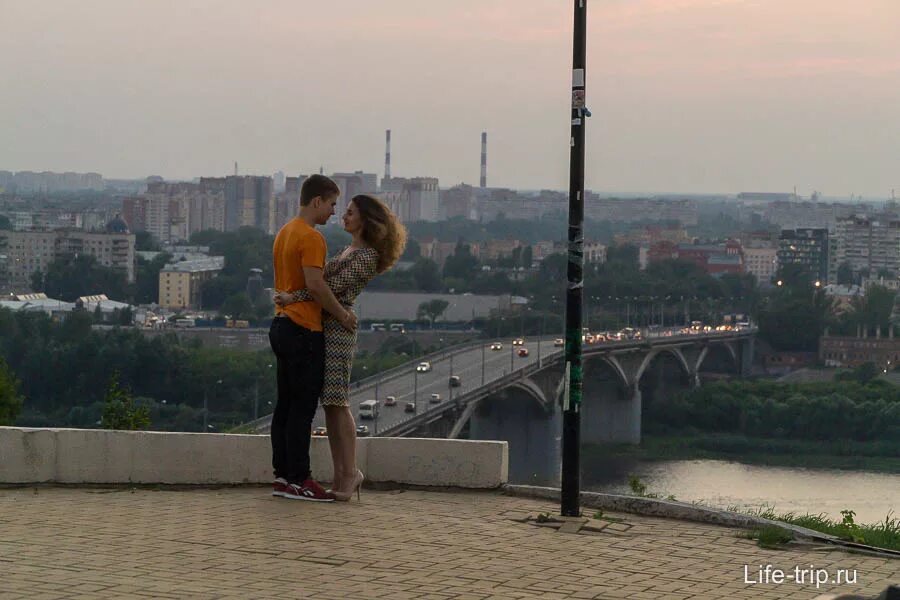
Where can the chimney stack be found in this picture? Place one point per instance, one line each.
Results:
(387, 154)
(484, 159)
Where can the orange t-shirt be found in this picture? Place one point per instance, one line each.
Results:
(298, 245)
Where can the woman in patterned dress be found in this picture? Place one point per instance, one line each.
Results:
(378, 241)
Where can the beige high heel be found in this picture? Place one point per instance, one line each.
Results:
(357, 484)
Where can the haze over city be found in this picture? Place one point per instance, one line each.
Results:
(687, 95)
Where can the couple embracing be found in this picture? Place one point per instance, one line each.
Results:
(313, 333)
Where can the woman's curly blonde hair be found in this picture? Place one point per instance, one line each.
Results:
(381, 230)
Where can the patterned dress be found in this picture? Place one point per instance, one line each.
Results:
(346, 277)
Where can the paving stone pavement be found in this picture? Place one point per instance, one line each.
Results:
(69, 542)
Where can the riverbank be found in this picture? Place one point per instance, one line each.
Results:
(879, 456)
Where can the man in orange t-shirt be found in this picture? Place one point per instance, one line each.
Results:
(297, 339)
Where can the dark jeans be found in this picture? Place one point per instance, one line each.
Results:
(301, 371)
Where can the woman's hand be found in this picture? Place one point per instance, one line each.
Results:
(282, 298)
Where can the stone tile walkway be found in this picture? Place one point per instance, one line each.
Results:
(60, 542)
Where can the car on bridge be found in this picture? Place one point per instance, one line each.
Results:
(496, 346)
(390, 400)
(423, 367)
(362, 430)
(320, 431)
(559, 343)
(518, 342)
(410, 407)
(435, 398)
(455, 381)
(523, 352)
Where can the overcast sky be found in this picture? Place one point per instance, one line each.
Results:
(687, 95)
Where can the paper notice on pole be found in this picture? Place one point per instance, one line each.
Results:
(566, 387)
(577, 77)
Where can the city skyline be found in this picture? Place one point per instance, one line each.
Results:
(688, 96)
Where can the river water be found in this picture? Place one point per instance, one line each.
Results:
(723, 484)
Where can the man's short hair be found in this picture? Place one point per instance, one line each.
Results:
(317, 185)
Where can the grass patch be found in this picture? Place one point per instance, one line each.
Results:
(770, 537)
(885, 534)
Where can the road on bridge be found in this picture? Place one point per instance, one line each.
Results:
(468, 364)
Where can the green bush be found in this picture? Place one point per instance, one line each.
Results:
(816, 411)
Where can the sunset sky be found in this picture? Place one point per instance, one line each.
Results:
(687, 95)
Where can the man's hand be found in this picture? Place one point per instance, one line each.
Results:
(348, 321)
(282, 299)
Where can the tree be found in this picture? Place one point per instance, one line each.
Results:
(119, 409)
(147, 278)
(875, 309)
(145, 242)
(238, 306)
(461, 264)
(426, 275)
(10, 401)
(412, 252)
(624, 253)
(527, 257)
(845, 273)
(432, 309)
(69, 277)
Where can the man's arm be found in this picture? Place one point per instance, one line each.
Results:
(322, 294)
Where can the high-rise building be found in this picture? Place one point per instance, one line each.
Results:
(870, 244)
(807, 247)
(352, 184)
(412, 199)
(249, 202)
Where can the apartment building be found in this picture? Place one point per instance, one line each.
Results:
(30, 251)
(806, 247)
(870, 244)
(180, 283)
(761, 263)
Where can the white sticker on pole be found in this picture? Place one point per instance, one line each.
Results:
(566, 388)
(577, 77)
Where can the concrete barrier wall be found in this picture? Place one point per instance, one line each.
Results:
(32, 455)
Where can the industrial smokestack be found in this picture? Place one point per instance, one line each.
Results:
(484, 159)
(387, 154)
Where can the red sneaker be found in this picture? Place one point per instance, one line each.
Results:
(309, 490)
(279, 486)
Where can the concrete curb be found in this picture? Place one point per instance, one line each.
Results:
(672, 509)
(97, 456)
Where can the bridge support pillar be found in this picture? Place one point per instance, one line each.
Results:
(695, 380)
(608, 418)
(746, 361)
(532, 434)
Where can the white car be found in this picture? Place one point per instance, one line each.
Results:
(435, 398)
(423, 367)
(518, 342)
(390, 400)
(559, 343)
(496, 346)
